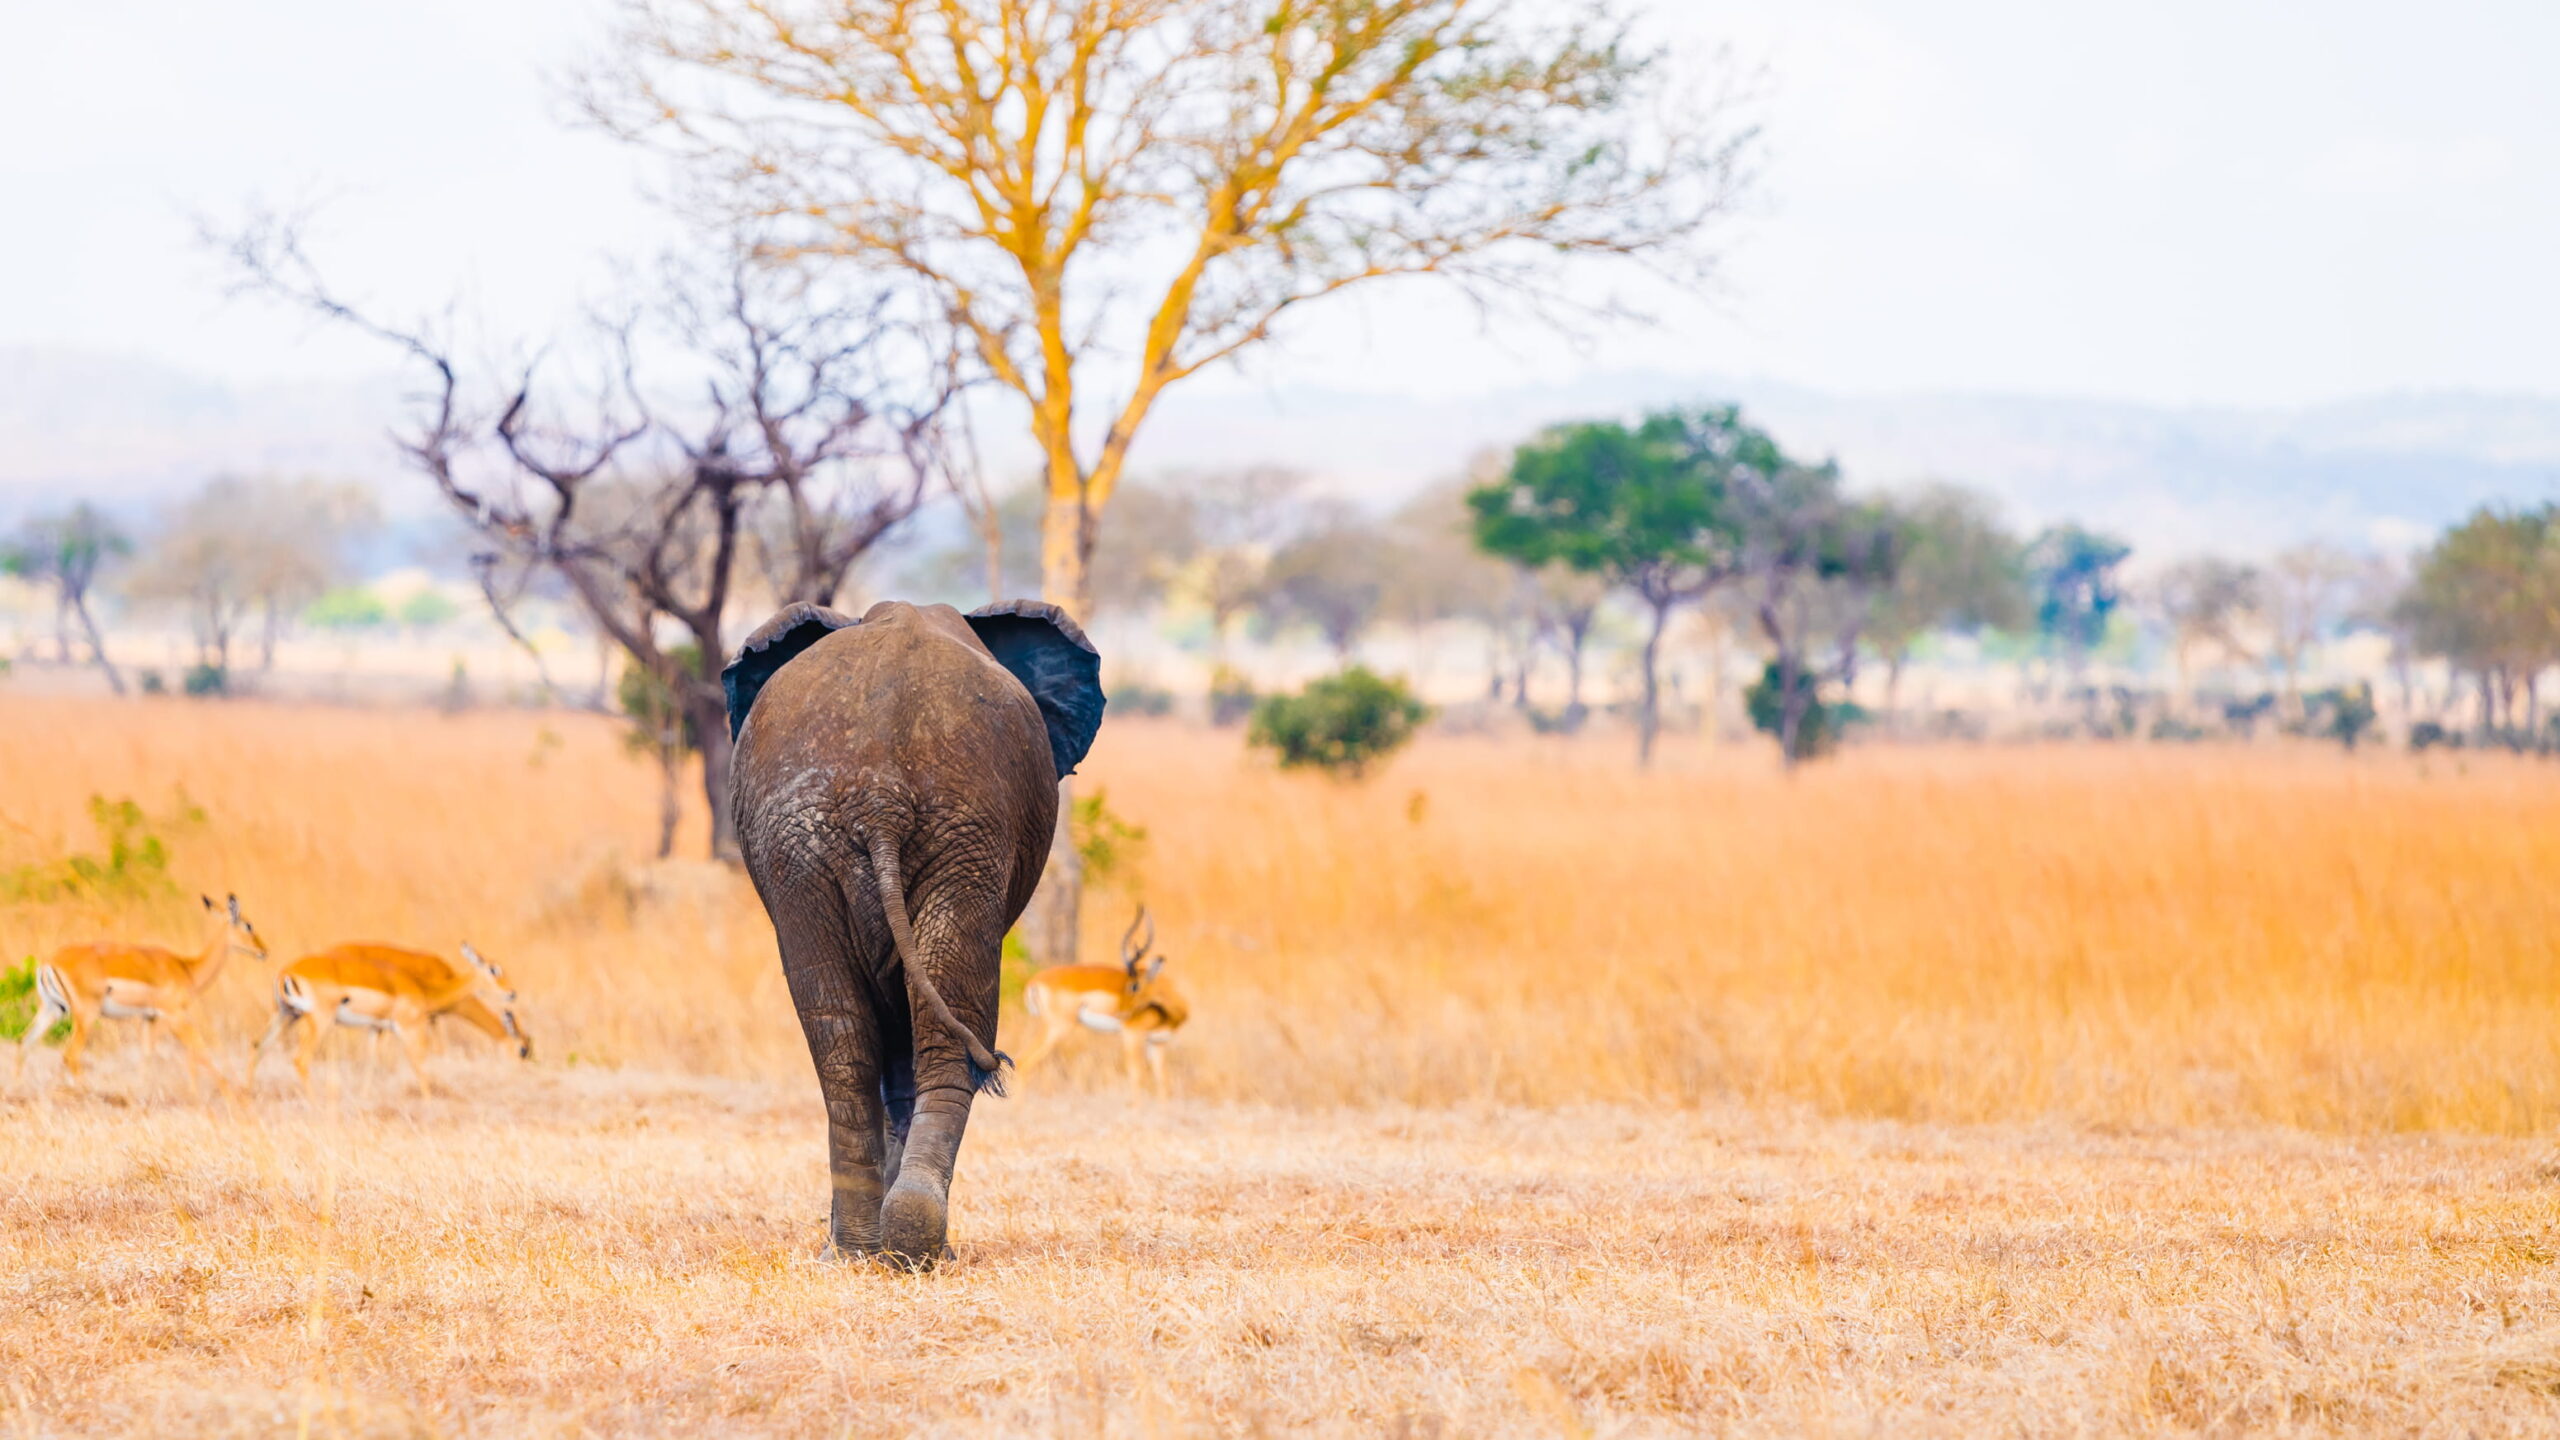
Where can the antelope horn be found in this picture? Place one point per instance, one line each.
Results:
(1131, 957)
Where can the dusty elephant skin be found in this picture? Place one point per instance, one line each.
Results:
(895, 790)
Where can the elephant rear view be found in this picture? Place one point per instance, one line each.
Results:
(895, 790)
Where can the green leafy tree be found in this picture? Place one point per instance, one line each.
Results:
(1960, 569)
(65, 553)
(2077, 590)
(1813, 562)
(2486, 597)
(1647, 506)
(1341, 724)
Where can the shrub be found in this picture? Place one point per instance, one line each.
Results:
(1340, 724)
(134, 867)
(427, 609)
(1108, 843)
(351, 608)
(207, 680)
(1818, 732)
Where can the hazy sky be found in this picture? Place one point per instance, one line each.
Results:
(2231, 202)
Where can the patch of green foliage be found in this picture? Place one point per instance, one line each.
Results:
(18, 1003)
(350, 608)
(427, 609)
(134, 865)
(1818, 732)
(205, 681)
(1340, 724)
(1109, 845)
(657, 721)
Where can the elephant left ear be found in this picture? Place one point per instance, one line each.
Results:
(776, 643)
(1050, 655)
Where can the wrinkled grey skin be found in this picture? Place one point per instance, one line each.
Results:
(896, 745)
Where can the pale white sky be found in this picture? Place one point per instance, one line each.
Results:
(2218, 203)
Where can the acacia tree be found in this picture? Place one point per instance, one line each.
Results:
(1106, 197)
(2072, 573)
(1812, 563)
(1649, 507)
(810, 432)
(2486, 596)
(1959, 568)
(2206, 600)
(2303, 592)
(65, 552)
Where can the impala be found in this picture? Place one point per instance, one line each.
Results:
(1132, 999)
(381, 988)
(108, 980)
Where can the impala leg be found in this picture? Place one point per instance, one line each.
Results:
(412, 1033)
(1156, 1043)
(284, 1017)
(305, 1045)
(82, 1018)
(1052, 1030)
(1132, 1040)
(191, 1043)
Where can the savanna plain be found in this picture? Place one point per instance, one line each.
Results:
(1931, 1091)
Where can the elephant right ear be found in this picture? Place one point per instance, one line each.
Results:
(776, 643)
(1047, 652)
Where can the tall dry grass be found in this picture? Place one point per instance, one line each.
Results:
(2128, 937)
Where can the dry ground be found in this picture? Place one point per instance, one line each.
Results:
(581, 1254)
(2039, 1091)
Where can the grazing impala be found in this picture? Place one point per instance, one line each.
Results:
(383, 987)
(1132, 998)
(138, 982)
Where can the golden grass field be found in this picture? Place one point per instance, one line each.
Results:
(1933, 1091)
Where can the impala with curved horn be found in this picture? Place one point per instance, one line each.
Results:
(381, 988)
(1132, 999)
(138, 982)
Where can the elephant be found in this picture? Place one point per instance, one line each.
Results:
(896, 791)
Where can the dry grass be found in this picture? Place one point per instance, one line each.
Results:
(2046, 1091)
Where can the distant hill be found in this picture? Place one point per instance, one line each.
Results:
(2383, 471)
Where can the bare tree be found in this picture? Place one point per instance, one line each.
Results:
(1239, 519)
(1334, 579)
(2304, 592)
(799, 452)
(244, 548)
(2206, 601)
(65, 553)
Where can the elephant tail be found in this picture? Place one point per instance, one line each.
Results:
(990, 1064)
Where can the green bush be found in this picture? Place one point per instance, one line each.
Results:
(1341, 724)
(18, 1003)
(1818, 732)
(207, 680)
(1108, 843)
(134, 867)
(427, 609)
(352, 608)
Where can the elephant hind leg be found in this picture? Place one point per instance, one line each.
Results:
(837, 1018)
(957, 944)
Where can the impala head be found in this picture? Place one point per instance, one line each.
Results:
(507, 999)
(1142, 977)
(241, 935)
